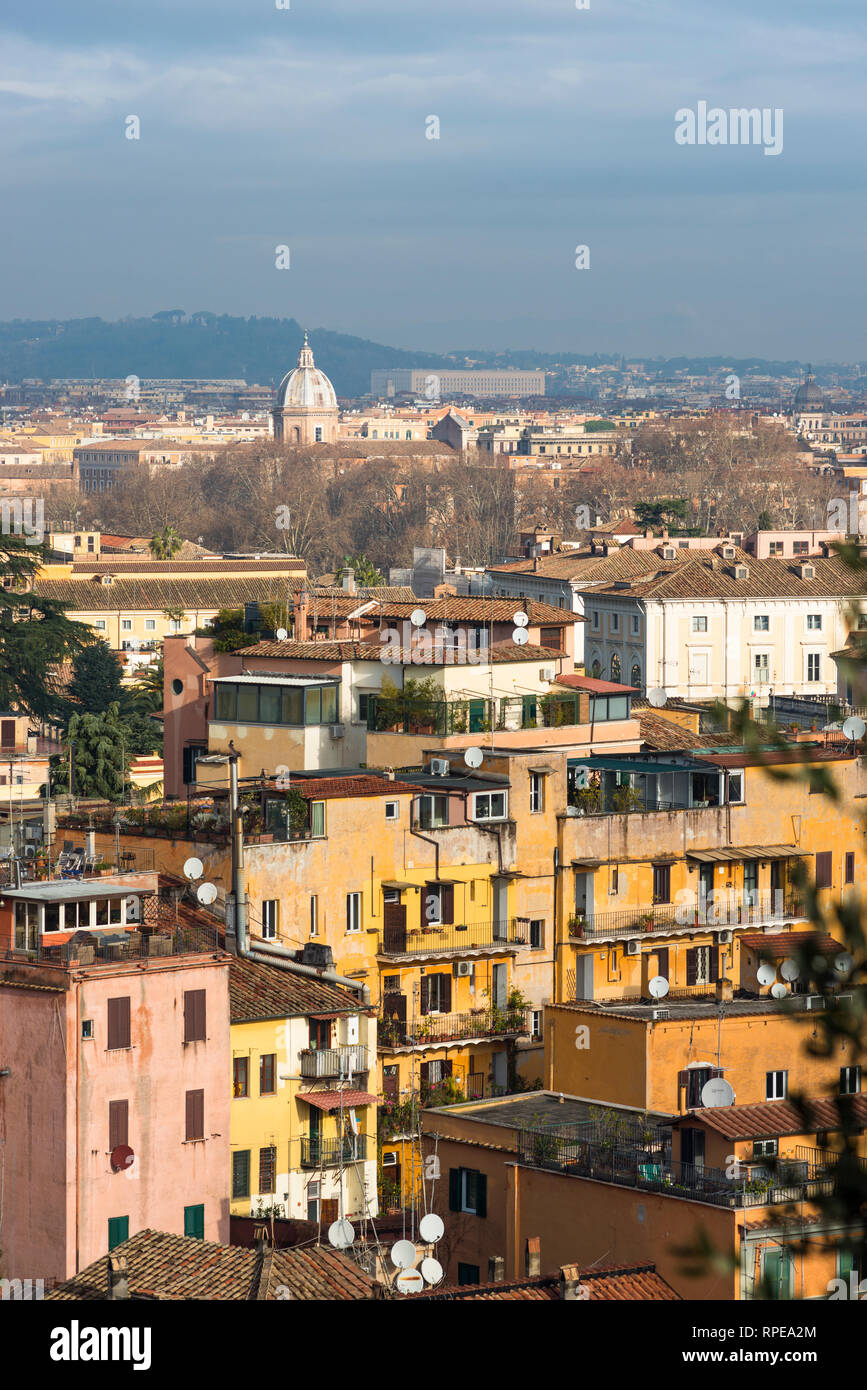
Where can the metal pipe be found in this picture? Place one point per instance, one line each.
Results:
(262, 954)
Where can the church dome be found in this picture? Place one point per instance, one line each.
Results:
(306, 387)
(808, 395)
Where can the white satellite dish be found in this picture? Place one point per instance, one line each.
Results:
(432, 1270)
(854, 728)
(779, 991)
(206, 893)
(790, 969)
(716, 1093)
(409, 1280)
(520, 636)
(843, 964)
(282, 634)
(520, 618)
(657, 697)
(658, 987)
(474, 757)
(193, 868)
(341, 1234)
(403, 1254)
(766, 974)
(418, 617)
(431, 1228)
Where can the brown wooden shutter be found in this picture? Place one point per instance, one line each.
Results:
(713, 973)
(692, 966)
(424, 994)
(328, 1210)
(194, 1015)
(195, 1115)
(394, 1005)
(118, 1123)
(662, 961)
(445, 994)
(118, 1022)
(447, 902)
(424, 1073)
(823, 870)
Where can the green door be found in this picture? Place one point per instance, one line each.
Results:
(778, 1268)
(194, 1221)
(477, 716)
(528, 712)
(118, 1230)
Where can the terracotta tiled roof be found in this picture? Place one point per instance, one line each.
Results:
(583, 566)
(164, 1266)
(140, 564)
(265, 991)
(594, 686)
(660, 733)
(482, 610)
(775, 1118)
(325, 788)
(779, 945)
(372, 651)
(332, 1100)
(231, 591)
(612, 1284)
(776, 578)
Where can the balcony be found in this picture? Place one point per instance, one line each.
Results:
(733, 911)
(465, 936)
(317, 1063)
(333, 1153)
(432, 1030)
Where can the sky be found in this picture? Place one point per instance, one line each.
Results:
(306, 127)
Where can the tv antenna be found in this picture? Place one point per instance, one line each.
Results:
(520, 618)
(520, 636)
(418, 617)
(193, 869)
(206, 894)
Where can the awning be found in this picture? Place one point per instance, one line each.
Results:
(331, 1100)
(396, 883)
(586, 863)
(542, 770)
(732, 853)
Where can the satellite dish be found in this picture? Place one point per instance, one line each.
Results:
(409, 1280)
(843, 964)
(520, 636)
(716, 1093)
(206, 893)
(430, 1228)
(403, 1254)
(341, 1234)
(122, 1157)
(418, 617)
(766, 974)
(133, 909)
(657, 697)
(658, 987)
(474, 757)
(854, 728)
(582, 778)
(432, 1270)
(282, 634)
(520, 618)
(790, 969)
(193, 868)
(779, 991)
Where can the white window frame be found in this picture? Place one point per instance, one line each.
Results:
(489, 797)
(150, 624)
(814, 622)
(392, 810)
(537, 793)
(851, 1073)
(761, 622)
(314, 914)
(536, 1023)
(353, 913)
(772, 1083)
(126, 624)
(814, 660)
(100, 624)
(699, 622)
(270, 918)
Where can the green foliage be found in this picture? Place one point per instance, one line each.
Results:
(228, 631)
(661, 512)
(36, 636)
(146, 695)
(367, 576)
(100, 760)
(419, 702)
(165, 543)
(626, 799)
(96, 677)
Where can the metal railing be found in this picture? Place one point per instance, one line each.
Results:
(459, 936)
(434, 1029)
(476, 716)
(96, 947)
(331, 1153)
(732, 911)
(333, 1061)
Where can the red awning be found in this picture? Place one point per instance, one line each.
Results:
(330, 1100)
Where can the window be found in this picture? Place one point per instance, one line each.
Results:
(702, 965)
(363, 708)
(240, 1077)
(468, 1191)
(150, 625)
(850, 1081)
(439, 904)
(392, 810)
(87, 1028)
(194, 1015)
(536, 934)
(536, 1023)
(662, 883)
(118, 1023)
(118, 1123)
(595, 619)
(353, 912)
(615, 622)
(849, 875)
(615, 667)
(467, 1274)
(537, 792)
(314, 915)
(551, 637)
(776, 548)
(760, 668)
(267, 1169)
(195, 1115)
(776, 1085)
(814, 666)
(126, 624)
(269, 918)
(699, 624)
(317, 818)
(814, 622)
(801, 548)
(765, 1148)
(194, 1221)
(99, 624)
(696, 1080)
(435, 994)
(823, 870)
(489, 806)
(636, 625)
(118, 1230)
(778, 1272)
(241, 1173)
(761, 623)
(267, 1073)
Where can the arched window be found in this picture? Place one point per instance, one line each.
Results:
(615, 667)
(635, 678)
(596, 669)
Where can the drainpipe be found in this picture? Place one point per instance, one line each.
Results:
(264, 952)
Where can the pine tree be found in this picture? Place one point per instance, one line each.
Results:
(95, 682)
(36, 636)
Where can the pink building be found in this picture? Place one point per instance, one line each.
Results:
(114, 1104)
(189, 664)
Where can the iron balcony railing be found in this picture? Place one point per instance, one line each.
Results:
(333, 1061)
(95, 947)
(442, 1028)
(753, 1184)
(735, 910)
(331, 1153)
(412, 715)
(458, 936)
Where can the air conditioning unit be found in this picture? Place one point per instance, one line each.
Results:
(633, 948)
(814, 1002)
(338, 730)
(660, 1013)
(439, 767)
(724, 938)
(464, 967)
(547, 673)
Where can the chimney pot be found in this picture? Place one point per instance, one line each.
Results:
(496, 1269)
(118, 1277)
(533, 1257)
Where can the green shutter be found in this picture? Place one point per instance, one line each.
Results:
(194, 1221)
(481, 1194)
(118, 1230)
(454, 1189)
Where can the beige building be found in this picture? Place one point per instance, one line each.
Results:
(306, 408)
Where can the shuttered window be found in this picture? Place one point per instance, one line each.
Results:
(468, 1191)
(195, 1115)
(118, 1230)
(118, 1123)
(823, 870)
(118, 1023)
(194, 1221)
(267, 1067)
(194, 1015)
(241, 1173)
(267, 1169)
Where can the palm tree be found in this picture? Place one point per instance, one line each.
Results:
(166, 543)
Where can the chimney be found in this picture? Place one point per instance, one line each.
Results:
(571, 1290)
(535, 563)
(302, 617)
(648, 533)
(118, 1277)
(347, 580)
(533, 1257)
(724, 991)
(496, 1269)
